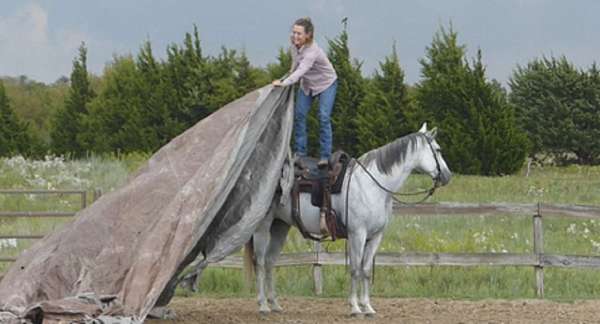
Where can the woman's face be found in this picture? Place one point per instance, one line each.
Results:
(299, 35)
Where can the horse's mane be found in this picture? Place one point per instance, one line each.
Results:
(392, 153)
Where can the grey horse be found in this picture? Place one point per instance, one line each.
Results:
(369, 210)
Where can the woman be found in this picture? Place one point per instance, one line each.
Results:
(317, 77)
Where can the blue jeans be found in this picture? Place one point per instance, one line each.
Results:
(303, 102)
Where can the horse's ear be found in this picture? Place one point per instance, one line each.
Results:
(433, 133)
(423, 128)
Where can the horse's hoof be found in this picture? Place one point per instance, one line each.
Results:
(370, 315)
(264, 310)
(187, 284)
(162, 312)
(368, 311)
(275, 308)
(355, 314)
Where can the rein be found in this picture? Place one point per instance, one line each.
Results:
(429, 192)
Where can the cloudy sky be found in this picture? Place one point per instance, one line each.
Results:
(40, 38)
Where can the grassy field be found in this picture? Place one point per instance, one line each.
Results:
(507, 233)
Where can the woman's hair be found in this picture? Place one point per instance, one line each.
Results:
(309, 28)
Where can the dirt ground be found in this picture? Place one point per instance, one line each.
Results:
(390, 310)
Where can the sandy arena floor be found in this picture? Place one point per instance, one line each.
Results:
(390, 310)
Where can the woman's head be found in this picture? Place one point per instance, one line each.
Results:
(303, 32)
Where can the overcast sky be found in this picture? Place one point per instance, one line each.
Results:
(40, 38)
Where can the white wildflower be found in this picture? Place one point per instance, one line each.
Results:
(8, 243)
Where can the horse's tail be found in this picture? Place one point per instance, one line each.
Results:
(249, 261)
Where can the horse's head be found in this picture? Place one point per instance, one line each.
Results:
(430, 159)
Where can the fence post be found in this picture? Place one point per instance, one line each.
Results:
(317, 275)
(97, 194)
(538, 249)
(83, 199)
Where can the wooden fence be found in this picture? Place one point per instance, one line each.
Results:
(536, 259)
(44, 214)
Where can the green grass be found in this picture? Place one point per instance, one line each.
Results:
(406, 233)
(466, 234)
(96, 172)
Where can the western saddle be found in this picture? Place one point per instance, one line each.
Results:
(321, 183)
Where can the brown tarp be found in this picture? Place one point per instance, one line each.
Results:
(201, 195)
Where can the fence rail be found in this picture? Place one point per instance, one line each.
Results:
(498, 209)
(431, 259)
(536, 259)
(37, 214)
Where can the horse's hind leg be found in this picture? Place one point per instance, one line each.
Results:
(367, 268)
(261, 244)
(279, 232)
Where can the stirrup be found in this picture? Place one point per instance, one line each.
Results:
(323, 164)
(323, 224)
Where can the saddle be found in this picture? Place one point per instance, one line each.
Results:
(321, 183)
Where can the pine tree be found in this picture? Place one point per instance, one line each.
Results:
(187, 74)
(131, 112)
(116, 119)
(350, 92)
(478, 134)
(223, 88)
(384, 113)
(501, 146)
(283, 65)
(67, 122)
(158, 124)
(558, 106)
(244, 75)
(14, 136)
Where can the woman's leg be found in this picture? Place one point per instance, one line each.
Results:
(303, 103)
(326, 101)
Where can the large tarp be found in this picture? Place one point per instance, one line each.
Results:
(201, 195)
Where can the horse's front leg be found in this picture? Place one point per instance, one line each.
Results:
(357, 246)
(367, 269)
(279, 232)
(261, 244)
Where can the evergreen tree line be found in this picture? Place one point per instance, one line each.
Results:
(143, 102)
(140, 103)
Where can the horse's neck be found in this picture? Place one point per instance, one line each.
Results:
(393, 180)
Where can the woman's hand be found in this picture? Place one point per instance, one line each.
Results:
(276, 83)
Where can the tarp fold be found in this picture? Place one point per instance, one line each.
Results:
(199, 196)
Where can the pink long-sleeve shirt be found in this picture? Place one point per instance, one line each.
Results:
(311, 66)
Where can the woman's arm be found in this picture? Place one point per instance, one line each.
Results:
(303, 67)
